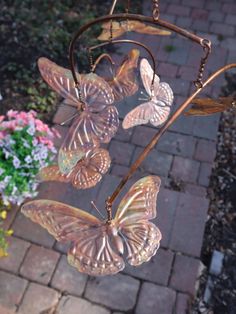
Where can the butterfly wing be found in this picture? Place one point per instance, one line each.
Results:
(60, 80)
(142, 238)
(90, 251)
(156, 114)
(97, 123)
(120, 28)
(163, 94)
(96, 92)
(146, 73)
(78, 140)
(143, 28)
(52, 173)
(124, 84)
(86, 173)
(161, 91)
(117, 30)
(208, 106)
(95, 164)
(62, 221)
(93, 254)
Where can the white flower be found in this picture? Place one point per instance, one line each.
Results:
(35, 142)
(12, 142)
(25, 143)
(28, 159)
(7, 179)
(31, 130)
(7, 153)
(36, 157)
(16, 162)
(1, 171)
(44, 154)
(14, 190)
(2, 186)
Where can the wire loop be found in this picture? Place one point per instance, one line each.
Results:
(155, 10)
(206, 44)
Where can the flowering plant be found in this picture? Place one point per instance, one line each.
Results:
(3, 233)
(25, 147)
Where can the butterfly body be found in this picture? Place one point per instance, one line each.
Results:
(99, 247)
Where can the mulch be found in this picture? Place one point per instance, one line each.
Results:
(220, 232)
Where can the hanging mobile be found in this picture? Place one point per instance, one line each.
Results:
(98, 246)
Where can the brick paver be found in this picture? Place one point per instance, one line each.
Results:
(117, 292)
(182, 304)
(67, 279)
(73, 305)
(157, 271)
(39, 299)
(188, 227)
(36, 278)
(12, 289)
(39, 264)
(16, 252)
(162, 299)
(184, 275)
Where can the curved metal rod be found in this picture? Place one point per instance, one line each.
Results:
(133, 17)
(130, 41)
(98, 60)
(162, 130)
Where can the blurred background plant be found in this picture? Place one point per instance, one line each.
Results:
(30, 29)
(4, 233)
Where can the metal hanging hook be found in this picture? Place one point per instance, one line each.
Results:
(206, 44)
(155, 10)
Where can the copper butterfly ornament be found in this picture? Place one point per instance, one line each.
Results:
(98, 247)
(85, 174)
(117, 29)
(97, 120)
(159, 99)
(124, 82)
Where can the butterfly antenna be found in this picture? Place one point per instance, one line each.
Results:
(67, 120)
(95, 207)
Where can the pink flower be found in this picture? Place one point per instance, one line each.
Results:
(41, 127)
(12, 114)
(11, 125)
(45, 141)
(2, 135)
(22, 118)
(33, 113)
(2, 118)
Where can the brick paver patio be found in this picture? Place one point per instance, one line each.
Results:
(36, 278)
